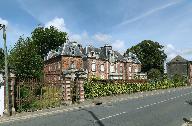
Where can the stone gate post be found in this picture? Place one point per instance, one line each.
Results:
(66, 89)
(80, 86)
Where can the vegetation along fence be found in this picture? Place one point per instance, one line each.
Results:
(33, 94)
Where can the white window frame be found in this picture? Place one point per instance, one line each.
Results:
(102, 68)
(136, 70)
(121, 69)
(130, 69)
(59, 65)
(93, 66)
(112, 68)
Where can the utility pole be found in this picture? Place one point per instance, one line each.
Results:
(2, 26)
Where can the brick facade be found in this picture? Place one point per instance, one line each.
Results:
(70, 63)
(53, 69)
(101, 62)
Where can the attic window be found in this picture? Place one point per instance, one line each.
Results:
(73, 51)
(92, 53)
(79, 46)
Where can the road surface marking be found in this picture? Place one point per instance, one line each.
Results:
(110, 116)
(141, 107)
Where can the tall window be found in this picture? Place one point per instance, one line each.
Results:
(130, 69)
(136, 69)
(93, 66)
(121, 69)
(112, 68)
(59, 65)
(102, 68)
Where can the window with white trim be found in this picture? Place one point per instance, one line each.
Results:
(121, 69)
(59, 65)
(136, 69)
(102, 68)
(112, 68)
(93, 66)
(130, 69)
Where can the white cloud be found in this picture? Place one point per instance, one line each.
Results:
(148, 13)
(82, 38)
(102, 37)
(98, 39)
(171, 52)
(13, 32)
(187, 51)
(58, 23)
(119, 45)
(2, 21)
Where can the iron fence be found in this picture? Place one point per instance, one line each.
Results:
(35, 94)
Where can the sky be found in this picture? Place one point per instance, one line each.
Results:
(120, 23)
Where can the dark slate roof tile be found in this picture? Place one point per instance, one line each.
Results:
(178, 58)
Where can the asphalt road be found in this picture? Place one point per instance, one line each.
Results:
(166, 109)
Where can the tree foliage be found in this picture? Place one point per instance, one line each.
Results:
(154, 74)
(27, 55)
(25, 60)
(151, 55)
(46, 39)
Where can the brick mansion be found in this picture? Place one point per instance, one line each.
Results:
(103, 62)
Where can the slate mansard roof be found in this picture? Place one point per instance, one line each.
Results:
(104, 53)
(67, 49)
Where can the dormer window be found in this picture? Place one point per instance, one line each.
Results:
(92, 53)
(79, 46)
(69, 49)
(73, 51)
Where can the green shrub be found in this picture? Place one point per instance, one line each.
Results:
(107, 88)
(154, 74)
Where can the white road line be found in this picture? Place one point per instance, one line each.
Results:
(162, 101)
(110, 116)
(141, 107)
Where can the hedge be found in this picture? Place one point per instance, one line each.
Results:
(94, 88)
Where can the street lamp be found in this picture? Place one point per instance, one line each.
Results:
(2, 26)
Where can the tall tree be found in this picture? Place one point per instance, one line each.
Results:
(151, 55)
(47, 39)
(27, 55)
(25, 60)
